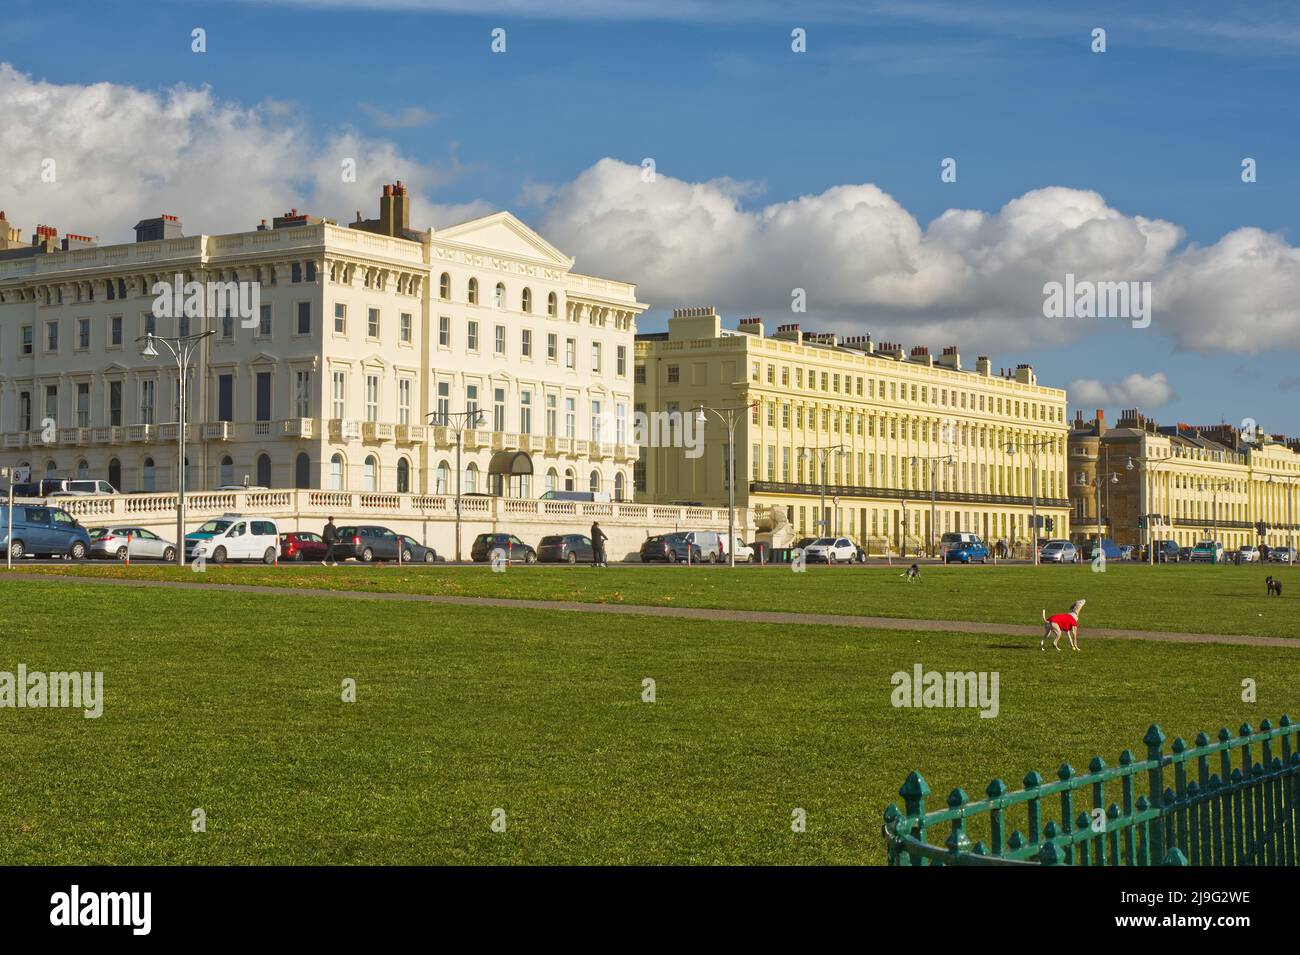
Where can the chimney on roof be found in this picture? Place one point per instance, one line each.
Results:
(921, 355)
(788, 332)
(1100, 422)
(161, 227)
(1025, 374)
(950, 358)
(862, 343)
(47, 238)
(10, 238)
(751, 326)
(983, 366)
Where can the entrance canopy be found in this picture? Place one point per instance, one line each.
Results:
(511, 463)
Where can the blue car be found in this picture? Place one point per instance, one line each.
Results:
(40, 530)
(963, 547)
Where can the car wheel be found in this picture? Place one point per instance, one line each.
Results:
(169, 555)
(406, 556)
(299, 556)
(428, 557)
(16, 550)
(77, 551)
(830, 557)
(121, 553)
(219, 555)
(367, 556)
(573, 558)
(713, 558)
(269, 556)
(530, 557)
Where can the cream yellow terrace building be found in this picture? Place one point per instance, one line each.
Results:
(363, 332)
(882, 420)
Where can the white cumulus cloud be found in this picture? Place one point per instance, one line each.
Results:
(1133, 391)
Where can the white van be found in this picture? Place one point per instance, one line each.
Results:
(234, 537)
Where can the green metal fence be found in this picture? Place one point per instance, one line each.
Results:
(1215, 813)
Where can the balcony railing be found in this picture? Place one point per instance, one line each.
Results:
(69, 436)
(343, 429)
(107, 434)
(139, 432)
(297, 427)
(16, 439)
(410, 433)
(217, 430)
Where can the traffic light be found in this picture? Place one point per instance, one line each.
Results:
(1142, 522)
(1051, 524)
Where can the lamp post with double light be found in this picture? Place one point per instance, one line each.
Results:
(946, 460)
(1289, 483)
(459, 422)
(1098, 481)
(182, 348)
(1033, 447)
(823, 453)
(728, 417)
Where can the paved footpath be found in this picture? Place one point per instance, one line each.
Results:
(684, 613)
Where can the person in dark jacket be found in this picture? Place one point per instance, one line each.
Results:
(598, 539)
(331, 536)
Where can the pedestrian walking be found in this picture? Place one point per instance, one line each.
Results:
(331, 536)
(598, 539)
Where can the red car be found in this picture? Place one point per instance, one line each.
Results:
(302, 545)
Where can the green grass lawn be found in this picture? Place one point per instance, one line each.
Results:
(1196, 598)
(231, 702)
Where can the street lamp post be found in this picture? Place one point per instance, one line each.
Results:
(1215, 487)
(1144, 465)
(947, 461)
(182, 348)
(459, 422)
(804, 454)
(1098, 481)
(1032, 447)
(728, 417)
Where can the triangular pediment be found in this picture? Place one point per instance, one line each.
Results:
(504, 234)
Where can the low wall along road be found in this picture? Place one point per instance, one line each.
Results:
(430, 518)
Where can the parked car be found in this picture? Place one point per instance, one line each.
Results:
(962, 546)
(831, 550)
(1126, 551)
(302, 545)
(744, 552)
(139, 543)
(564, 548)
(1167, 552)
(515, 549)
(1058, 552)
(1248, 554)
(700, 546)
(803, 542)
(589, 497)
(1184, 553)
(1109, 549)
(1208, 552)
(413, 552)
(42, 530)
(1280, 555)
(234, 537)
(367, 543)
(84, 488)
(241, 487)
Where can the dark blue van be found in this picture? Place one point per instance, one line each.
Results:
(40, 530)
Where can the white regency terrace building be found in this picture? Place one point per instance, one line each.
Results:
(368, 342)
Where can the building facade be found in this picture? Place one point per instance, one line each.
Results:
(368, 344)
(870, 427)
(1182, 483)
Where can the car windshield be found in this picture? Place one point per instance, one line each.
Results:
(950, 539)
(824, 542)
(675, 538)
(98, 532)
(213, 527)
(547, 541)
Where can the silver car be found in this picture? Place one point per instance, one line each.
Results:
(143, 544)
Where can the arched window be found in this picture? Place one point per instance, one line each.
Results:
(527, 302)
(115, 473)
(403, 476)
(264, 470)
(620, 485)
(473, 291)
(336, 472)
(500, 300)
(83, 469)
(369, 474)
(469, 483)
(444, 287)
(551, 479)
(594, 482)
(552, 304)
(147, 475)
(51, 468)
(302, 470)
(227, 471)
(569, 479)
(442, 481)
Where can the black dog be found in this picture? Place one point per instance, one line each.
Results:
(913, 574)
(1274, 586)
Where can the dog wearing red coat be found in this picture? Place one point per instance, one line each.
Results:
(1062, 623)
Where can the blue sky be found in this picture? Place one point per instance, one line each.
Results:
(1157, 125)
